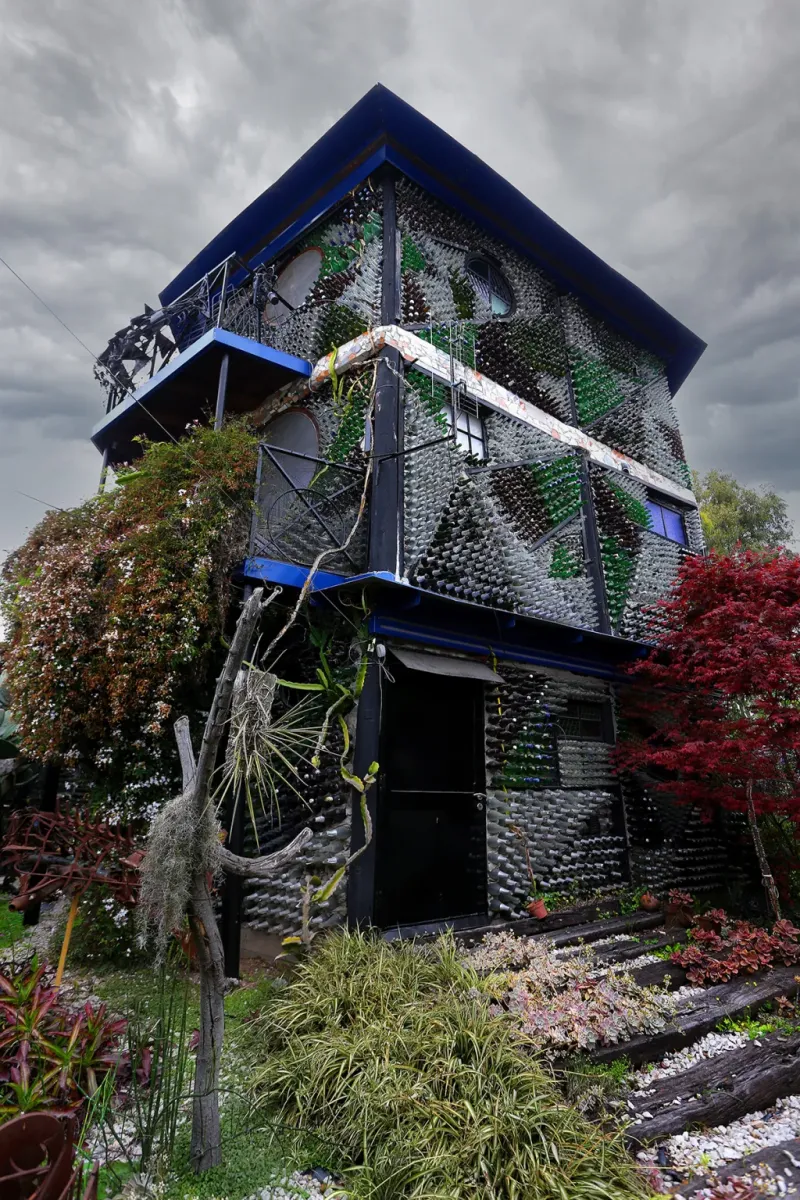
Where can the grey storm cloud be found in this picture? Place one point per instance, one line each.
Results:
(662, 133)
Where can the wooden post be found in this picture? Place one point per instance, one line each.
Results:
(62, 961)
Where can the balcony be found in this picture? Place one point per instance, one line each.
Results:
(205, 353)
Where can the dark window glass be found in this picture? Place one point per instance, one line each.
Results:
(584, 719)
(491, 283)
(666, 521)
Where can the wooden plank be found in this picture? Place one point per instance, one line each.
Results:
(782, 1158)
(594, 931)
(744, 994)
(526, 926)
(719, 1090)
(623, 951)
(660, 974)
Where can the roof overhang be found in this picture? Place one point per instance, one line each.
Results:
(177, 394)
(382, 129)
(405, 612)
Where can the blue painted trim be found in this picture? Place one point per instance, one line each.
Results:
(220, 337)
(272, 571)
(383, 128)
(386, 627)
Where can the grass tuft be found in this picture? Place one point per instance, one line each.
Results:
(391, 1054)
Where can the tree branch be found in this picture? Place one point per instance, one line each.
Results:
(263, 868)
(185, 751)
(223, 695)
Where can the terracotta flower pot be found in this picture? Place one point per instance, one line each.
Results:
(649, 902)
(538, 909)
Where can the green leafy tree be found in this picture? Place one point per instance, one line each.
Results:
(735, 515)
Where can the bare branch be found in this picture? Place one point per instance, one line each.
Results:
(223, 695)
(263, 868)
(185, 751)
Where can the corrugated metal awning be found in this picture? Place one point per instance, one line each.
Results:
(439, 664)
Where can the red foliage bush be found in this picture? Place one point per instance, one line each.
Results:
(737, 947)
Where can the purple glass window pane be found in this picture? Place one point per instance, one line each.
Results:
(656, 516)
(673, 524)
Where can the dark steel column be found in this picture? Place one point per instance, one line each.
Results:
(361, 877)
(386, 498)
(588, 512)
(385, 552)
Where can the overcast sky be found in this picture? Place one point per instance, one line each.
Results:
(662, 133)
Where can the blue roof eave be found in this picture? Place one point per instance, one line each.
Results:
(382, 128)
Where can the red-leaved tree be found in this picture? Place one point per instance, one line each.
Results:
(714, 714)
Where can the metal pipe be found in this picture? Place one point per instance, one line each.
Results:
(221, 391)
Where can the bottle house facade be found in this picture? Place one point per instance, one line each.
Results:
(418, 343)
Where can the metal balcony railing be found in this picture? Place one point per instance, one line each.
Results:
(144, 347)
(306, 505)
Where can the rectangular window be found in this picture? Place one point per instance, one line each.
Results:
(666, 521)
(588, 720)
(470, 433)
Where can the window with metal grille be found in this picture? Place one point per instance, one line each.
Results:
(666, 521)
(587, 720)
(470, 431)
(490, 283)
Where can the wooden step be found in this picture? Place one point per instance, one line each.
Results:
(594, 931)
(624, 951)
(527, 926)
(719, 1090)
(660, 975)
(746, 993)
(783, 1158)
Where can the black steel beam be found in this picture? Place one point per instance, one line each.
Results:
(591, 535)
(386, 498)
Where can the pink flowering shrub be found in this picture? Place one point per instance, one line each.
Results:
(563, 1001)
(116, 607)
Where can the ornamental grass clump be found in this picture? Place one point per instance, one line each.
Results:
(391, 1053)
(564, 1003)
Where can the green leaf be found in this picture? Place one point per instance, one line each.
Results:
(302, 687)
(330, 887)
(353, 780)
(373, 768)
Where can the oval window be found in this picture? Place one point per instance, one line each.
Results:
(293, 285)
(490, 283)
(293, 431)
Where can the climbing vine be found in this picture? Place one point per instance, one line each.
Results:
(116, 609)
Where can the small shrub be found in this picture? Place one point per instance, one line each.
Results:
(50, 1056)
(716, 955)
(392, 1053)
(104, 933)
(561, 1003)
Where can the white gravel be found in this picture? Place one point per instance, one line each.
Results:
(704, 1150)
(301, 1184)
(680, 1060)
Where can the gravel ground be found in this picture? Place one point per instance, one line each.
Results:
(702, 1151)
(301, 1184)
(680, 1060)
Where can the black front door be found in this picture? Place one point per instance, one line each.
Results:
(431, 823)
